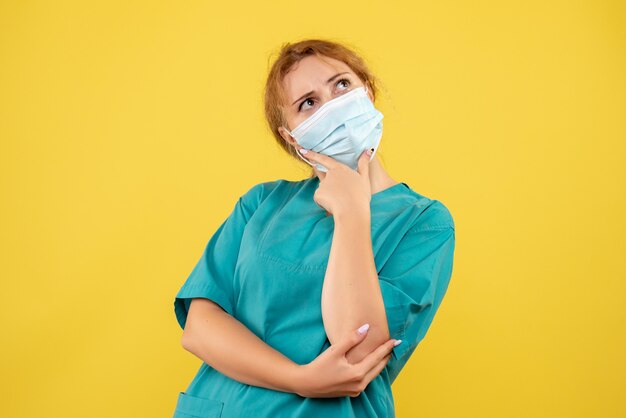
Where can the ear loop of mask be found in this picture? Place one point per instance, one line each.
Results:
(304, 159)
(298, 152)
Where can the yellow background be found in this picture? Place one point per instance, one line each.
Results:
(129, 129)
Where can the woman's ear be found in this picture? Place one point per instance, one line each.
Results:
(369, 91)
(286, 136)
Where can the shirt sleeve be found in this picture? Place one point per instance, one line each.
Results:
(213, 275)
(413, 283)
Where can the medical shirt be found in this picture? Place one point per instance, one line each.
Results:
(265, 266)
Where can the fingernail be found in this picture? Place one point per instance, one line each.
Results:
(369, 152)
(363, 328)
(397, 342)
(303, 151)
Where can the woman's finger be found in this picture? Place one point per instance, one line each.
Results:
(375, 356)
(363, 165)
(371, 375)
(324, 160)
(355, 337)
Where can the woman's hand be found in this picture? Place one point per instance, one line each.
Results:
(330, 375)
(341, 188)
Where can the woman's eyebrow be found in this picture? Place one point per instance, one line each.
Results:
(330, 80)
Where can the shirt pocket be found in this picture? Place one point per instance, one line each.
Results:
(189, 406)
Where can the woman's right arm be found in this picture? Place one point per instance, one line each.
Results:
(228, 346)
(223, 342)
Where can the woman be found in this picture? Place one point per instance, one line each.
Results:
(275, 305)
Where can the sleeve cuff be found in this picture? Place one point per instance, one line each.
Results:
(183, 299)
(396, 314)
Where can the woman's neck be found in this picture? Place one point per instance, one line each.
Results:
(379, 178)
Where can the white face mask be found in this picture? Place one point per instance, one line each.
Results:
(342, 128)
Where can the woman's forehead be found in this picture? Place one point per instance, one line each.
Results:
(309, 73)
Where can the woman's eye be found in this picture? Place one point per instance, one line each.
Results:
(343, 80)
(301, 104)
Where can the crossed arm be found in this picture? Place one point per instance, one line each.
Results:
(351, 296)
(230, 347)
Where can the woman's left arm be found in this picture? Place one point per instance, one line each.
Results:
(351, 293)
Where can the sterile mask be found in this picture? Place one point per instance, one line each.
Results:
(342, 128)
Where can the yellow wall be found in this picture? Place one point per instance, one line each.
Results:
(129, 129)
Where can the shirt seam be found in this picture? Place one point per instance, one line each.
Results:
(435, 227)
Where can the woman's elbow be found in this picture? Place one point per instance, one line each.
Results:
(187, 340)
(200, 312)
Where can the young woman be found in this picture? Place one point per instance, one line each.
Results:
(312, 295)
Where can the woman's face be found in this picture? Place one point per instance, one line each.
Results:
(312, 82)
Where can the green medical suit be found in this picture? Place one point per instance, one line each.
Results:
(265, 266)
